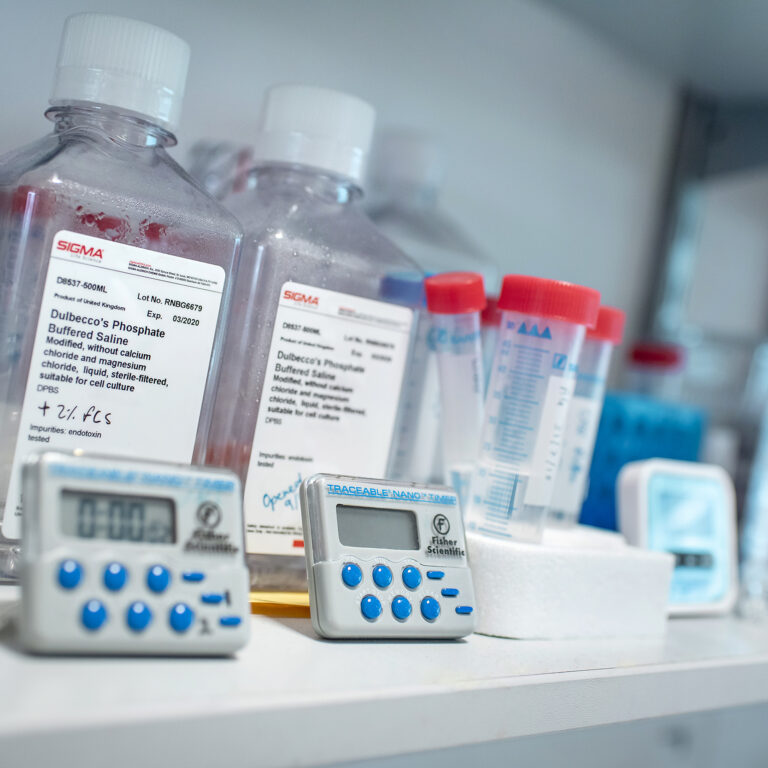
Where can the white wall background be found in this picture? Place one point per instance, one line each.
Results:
(555, 144)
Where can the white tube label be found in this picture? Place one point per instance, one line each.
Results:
(329, 404)
(583, 420)
(121, 355)
(549, 441)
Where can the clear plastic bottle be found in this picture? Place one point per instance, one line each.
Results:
(106, 240)
(318, 344)
(215, 164)
(405, 178)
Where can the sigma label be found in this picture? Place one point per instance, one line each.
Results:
(329, 404)
(122, 347)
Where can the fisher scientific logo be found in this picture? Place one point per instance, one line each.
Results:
(440, 545)
(205, 539)
(78, 248)
(441, 524)
(209, 514)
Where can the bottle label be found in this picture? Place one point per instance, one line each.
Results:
(121, 356)
(329, 404)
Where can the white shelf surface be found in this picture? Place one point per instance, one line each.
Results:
(292, 699)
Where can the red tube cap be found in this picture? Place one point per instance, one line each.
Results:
(609, 326)
(491, 316)
(549, 298)
(656, 354)
(455, 293)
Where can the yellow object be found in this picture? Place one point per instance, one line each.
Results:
(283, 604)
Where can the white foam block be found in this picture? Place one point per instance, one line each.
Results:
(583, 586)
(581, 537)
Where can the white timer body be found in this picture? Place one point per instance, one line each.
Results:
(121, 556)
(689, 510)
(385, 559)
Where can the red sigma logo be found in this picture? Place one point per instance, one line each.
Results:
(64, 245)
(302, 298)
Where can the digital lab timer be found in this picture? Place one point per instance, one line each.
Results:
(385, 559)
(131, 557)
(689, 510)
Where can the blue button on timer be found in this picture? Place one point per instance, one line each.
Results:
(181, 617)
(351, 575)
(115, 577)
(70, 573)
(211, 598)
(449, 592)
(430, 608)
(94, 615)
(464, 610)
(411, 577)
(370, 607)
(435, 574)
(138, 616)
(401, 608)
(158, 578)
(193, 576)
(230, 621)
(382, 576)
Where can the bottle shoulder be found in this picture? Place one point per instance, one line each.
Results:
(434, 240)
(428, 224)
(21, 160)
(315, 229)
(91, 172)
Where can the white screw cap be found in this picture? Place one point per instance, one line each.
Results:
(122, 63)
(317, 127)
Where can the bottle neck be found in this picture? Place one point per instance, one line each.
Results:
(110, 123)
(304, 181)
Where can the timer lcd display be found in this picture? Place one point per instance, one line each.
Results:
(376, 527)
(117, 517)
